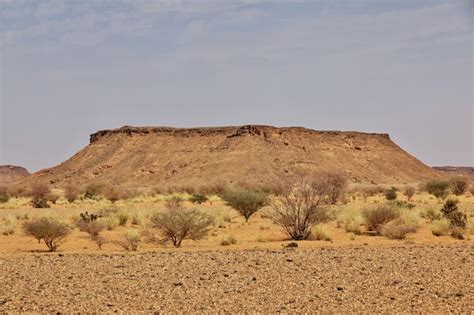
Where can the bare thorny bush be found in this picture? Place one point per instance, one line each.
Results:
(302, 207)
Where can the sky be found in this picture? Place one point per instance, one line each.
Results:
(71, 67)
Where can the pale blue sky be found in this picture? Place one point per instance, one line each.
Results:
(70, 68)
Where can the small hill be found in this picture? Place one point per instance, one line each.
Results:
(10, 174)
(252, 154)
(455, 171)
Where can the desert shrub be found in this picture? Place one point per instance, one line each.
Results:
(93, 228)
(391, 194)
(110, 222)
(40, 203)
(370, 191)
(39, 194)
(93, 190)
(376, 217)
(71, 193)
(87, 217)
(130, 240)
(4, 197)
(230, 240)
(471, 190)
(300, 209)
(409, 192)
(351, 221)
(458, 233)
(396, 229)
(438, 188)
(321, 233)
(459, 185)
(178, 223)
(113, 194)
(245, 201)
(335, 186)
(8, 225)
(431, 214)
(173, 202)
(49, 230)
(440, 227)
(52, 197)
(198, 198)
(451, 212)
(410, 218)
(99, 240)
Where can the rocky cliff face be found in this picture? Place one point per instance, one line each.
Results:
(253, 154)
(10, 174)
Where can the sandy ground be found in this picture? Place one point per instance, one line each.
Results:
(403, 278)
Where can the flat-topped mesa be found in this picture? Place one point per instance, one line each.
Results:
(227, 131)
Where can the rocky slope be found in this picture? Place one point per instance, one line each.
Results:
(152, 156)
(10, 174)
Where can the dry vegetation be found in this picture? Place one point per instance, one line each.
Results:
(102, 220)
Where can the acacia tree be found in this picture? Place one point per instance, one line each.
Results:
(246, 201)
(300, 209)
(49, 230)
(178, 223)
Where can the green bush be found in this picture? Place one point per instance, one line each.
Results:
(49, 230)
(391, 194)
(438, 188)
(451, 212)
(245, 201)
(376, 218)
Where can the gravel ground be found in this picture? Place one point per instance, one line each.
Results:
(406, 278)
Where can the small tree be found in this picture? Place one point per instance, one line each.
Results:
(178, 223)
(391, 194)
(39, 194)
(300, 209)
(459, 185)
(71, 193)
(130, 240)
(335, 186)
(438, 188)
(49, 230)
(409, 192)
(246, 201)
(451, 212)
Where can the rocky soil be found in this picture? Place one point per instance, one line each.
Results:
(405, 278)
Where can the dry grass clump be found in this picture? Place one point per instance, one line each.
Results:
(130, 240)
(351, 221)
(178, 223)
(122, 217)
(321, 233)
(431, 214)
(198, 198)
(8, 225)
(376, 218)
(49, 230)
(110, 222)
(230, 240)
(440, 227)
(300, 209)
(245, 201)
